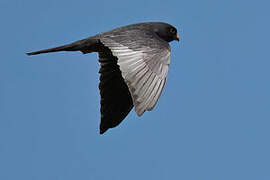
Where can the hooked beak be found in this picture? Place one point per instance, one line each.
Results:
(177, 37)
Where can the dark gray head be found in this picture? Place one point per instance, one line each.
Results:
(165, 31)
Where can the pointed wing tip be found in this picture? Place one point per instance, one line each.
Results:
(139, 112)
(103, 130)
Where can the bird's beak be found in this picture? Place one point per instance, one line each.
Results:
(177, 37)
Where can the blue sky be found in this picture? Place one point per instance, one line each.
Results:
(211, 122)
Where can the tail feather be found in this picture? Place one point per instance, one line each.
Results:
(86, 45)
(56, 49)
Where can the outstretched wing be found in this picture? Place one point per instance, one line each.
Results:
(144, 61)
(116, 101)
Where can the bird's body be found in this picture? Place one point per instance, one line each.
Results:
(134, 63)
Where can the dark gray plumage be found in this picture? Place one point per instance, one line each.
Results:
(134, 63)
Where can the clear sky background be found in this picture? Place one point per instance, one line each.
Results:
(211, 123)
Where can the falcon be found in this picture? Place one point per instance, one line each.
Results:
(134, 63)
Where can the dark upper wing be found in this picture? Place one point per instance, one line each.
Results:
(144, 60)
(116, 101)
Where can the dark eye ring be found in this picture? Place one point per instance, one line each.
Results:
(172, 30)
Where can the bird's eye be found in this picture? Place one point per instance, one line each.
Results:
(172, 30)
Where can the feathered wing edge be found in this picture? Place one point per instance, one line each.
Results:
(144, 72)
(116, 101)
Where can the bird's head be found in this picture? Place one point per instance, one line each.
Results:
(166, 31)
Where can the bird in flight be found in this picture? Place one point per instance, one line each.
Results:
(134, 62)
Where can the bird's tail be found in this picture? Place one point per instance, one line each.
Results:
(86, 46)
